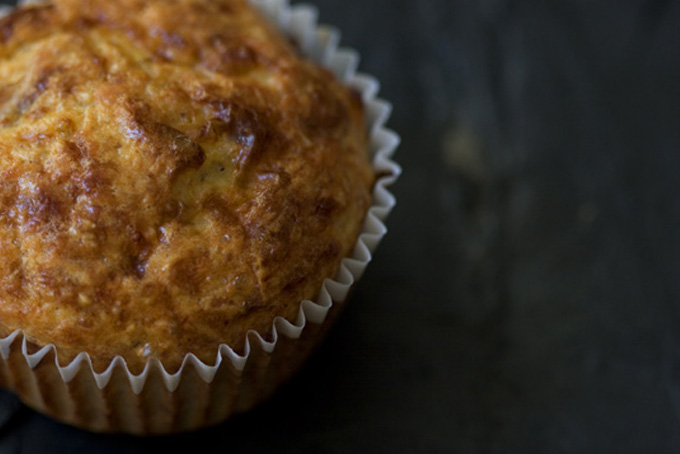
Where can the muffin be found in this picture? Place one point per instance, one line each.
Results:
(176, 180)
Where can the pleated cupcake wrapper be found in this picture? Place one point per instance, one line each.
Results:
(199, 394)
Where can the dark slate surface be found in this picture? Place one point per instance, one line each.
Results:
(527, 296)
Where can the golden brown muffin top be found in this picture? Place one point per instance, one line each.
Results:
(172, 174)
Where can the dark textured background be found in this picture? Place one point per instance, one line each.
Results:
(527, 297)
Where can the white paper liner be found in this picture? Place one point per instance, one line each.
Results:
(320, 44)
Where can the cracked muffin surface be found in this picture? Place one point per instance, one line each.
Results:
(172, 175)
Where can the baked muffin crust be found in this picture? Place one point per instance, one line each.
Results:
(173, 175)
